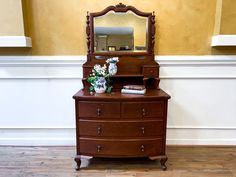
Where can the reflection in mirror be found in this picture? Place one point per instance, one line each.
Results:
(120, 32)
(114, 38)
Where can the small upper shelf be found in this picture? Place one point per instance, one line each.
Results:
(223, 40)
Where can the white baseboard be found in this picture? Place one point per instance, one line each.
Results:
(215, 142)
(71, 142)
(37, 136)
(37, 141)
(190, 135)
(56, 136)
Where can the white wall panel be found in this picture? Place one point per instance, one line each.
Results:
(36, 105)
(37, 102)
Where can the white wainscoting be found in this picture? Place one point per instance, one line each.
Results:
(36, 105)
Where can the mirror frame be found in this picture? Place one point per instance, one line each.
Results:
(150, 32)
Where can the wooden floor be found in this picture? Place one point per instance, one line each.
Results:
(58, 162)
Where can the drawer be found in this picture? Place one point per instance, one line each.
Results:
(142, 109)
(99, 109)
(150, 71)
(120, 148)
(121, 128)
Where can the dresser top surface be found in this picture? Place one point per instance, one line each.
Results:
(150, 94)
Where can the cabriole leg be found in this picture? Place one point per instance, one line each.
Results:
(78, 162)
(162, 159)
(163, 163)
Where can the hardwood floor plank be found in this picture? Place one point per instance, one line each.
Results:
(58, 162)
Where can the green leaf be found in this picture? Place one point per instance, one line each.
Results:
(91, 89)
(109, 89)
(91, 79)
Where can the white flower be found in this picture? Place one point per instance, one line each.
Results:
(99, 70)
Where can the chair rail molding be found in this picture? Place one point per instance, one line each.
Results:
(47, 61)
(196, 60)
(41, 67)
(70, 67)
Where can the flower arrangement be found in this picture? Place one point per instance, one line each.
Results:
(99, 79)
(113, 60)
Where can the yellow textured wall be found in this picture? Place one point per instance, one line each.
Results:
(184, 27)
(228, 17)
(11, 18)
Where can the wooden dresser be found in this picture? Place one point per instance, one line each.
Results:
(122, 125)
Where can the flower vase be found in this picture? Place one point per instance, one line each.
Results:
(100, 85)
(112, 68)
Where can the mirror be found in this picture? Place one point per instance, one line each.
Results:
(120, 32)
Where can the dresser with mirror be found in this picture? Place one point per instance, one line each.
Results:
(117, 125)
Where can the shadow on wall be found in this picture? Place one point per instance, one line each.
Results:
(223, 50)
(15, 51)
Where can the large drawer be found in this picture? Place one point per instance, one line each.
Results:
(142, 109)
(99, 109)
(120, 148)
(121, 128)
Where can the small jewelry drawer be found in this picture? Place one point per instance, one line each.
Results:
(121, 147)
(121, 128)
(150, 71)
(99, 109)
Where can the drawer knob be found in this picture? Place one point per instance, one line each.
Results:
(142, 148)
(144, 112)
(99, 148)
(143, 130)
(98, 111)
(99, 130)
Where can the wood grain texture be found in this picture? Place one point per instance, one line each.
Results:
(58, 162)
